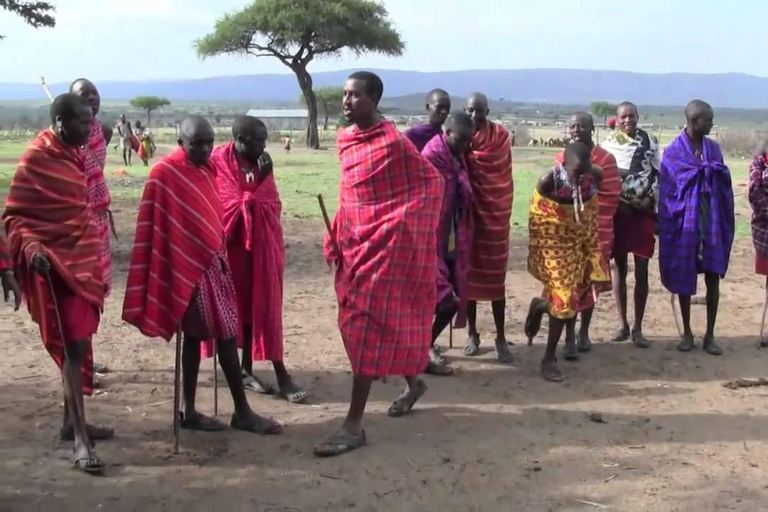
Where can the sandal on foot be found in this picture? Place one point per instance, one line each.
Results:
(100, 368)
(639, 340)
(584, 344)
(473, 345)
(571, 351)
(292, 393)
(259, 425)
(533, 321)
(201, 423)
(253, 383)
(89, 464)
(436, 357)
(712, 348)
(95, 433)
(551, 372)
(686, 343)
(503, 355)
(339, 443)
(439, 370)
(622, 334)
(406, 401)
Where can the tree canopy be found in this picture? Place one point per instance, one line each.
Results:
(296, 32)
(604, 109)
(36, 14)
(149, 103)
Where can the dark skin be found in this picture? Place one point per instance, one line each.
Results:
(699, 122)
(477, 107)
(626, 120)
(438, 108)
(546, 186)
(250, 145)
(88, 91)
(197, 139)
(127, 150)
(458, 137)
(74, 132)
(359, 106)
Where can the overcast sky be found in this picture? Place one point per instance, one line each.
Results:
(146, 39)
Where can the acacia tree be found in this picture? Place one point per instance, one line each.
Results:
(604, 109)
(36, 14)
(296, 32)
(329, 98)
(149, 103)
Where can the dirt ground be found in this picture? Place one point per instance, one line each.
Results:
(490, 438)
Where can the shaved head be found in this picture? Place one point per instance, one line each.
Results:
(697, 108)
(460, 119)
(85, 89)
(477, 107)
(250, 134)
(196, 137)
(246, 125)
(438, 107)
(437, 94)
(459, 130)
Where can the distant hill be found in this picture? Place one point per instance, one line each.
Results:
(549, 86)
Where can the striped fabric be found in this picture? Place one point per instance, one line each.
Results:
(47, 211)
(696, 214)
(94, 157)
(389, 207)
(178, 233)
(758, 199)
(490, 171)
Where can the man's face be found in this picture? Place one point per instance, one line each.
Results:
(478, 109)
(356, 103)
(627, 119)
(460, 137)
(88, 91)
(704, 122)
(438, 108)
(580, 129)
(198, 145)
(576, 167)
(77, 129)
(252, 143)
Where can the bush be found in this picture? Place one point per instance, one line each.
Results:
(739, 141)
(522, 135)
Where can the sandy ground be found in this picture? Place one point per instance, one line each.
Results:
(490, 438)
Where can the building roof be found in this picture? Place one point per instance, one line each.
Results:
(286, 113)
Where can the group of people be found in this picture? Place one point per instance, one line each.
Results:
(132, 140)
(420, 237)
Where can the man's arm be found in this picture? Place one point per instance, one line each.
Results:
(107, 131)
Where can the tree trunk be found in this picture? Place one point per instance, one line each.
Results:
(327, 114)
(149, 116)
(305, 84)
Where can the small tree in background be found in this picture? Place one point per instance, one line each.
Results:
(297, 32)
(604, 109)
(36, 14)
(149, 103)
(329, 99)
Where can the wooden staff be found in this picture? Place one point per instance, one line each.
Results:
(762, 322)
(328, 225)
(177, 393)
(674, 314)
(215, 379)
(450, 334)
(45, 88)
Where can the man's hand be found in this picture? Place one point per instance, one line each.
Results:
(646, 203)
(41, 263)
(11, 286)
(265, 165)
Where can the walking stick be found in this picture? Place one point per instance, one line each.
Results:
(45, 88)
(674, 314)
(328, 226)
(762, 322)
(450, 335)
(215, 379)
(177, 393)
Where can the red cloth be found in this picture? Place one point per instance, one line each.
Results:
(389, 208)
(5, 257)
(94, 158)
(47, 210)
(634, 234)
(490, 172)
(256, 251)
(178, 233)
(761, 265)
(212, 312)
(608, 194)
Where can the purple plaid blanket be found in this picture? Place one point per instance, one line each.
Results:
(758, 199)
(696, 214)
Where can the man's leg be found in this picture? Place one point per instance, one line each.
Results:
(351, 434)
(130, 154)
(190, 364)
(763, 336)
(502, 349)
(250, 380)
(686, 342)
(713, 302)
(414, 389)
(583, 341)
(125, 157)
(641, 299)
(83, 457)
(95, 432)
(437, 363)
(620, 295)
(549, 369)
(244, 418)
(571, 351)
(288, 389)
(473, 341)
